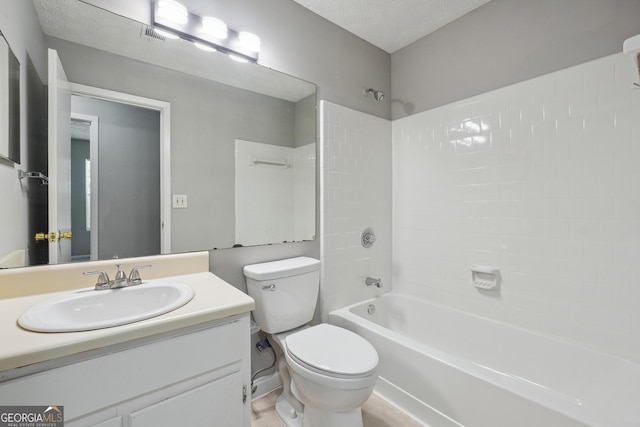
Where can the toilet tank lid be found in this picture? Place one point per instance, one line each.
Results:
(281, 268)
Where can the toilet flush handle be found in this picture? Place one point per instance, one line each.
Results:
(271, 287)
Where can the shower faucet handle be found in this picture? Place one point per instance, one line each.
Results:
(368, 237)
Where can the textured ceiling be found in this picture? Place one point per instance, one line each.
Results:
(391, 24)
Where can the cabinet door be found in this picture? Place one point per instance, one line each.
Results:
(89, 421)
(116, 422)
(218, 403)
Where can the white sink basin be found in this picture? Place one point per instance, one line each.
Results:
(88, 309)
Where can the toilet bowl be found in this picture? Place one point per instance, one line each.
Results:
(327, 372)
(333, 372)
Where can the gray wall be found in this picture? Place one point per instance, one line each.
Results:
(305, 121)
(504, 42)
(129, 177)
(20, 26)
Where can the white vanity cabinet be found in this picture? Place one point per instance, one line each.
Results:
(191, 377)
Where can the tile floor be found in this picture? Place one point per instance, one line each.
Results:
(376, 412)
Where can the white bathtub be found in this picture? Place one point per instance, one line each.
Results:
(449, 368)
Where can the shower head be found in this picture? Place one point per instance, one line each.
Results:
(377, 94)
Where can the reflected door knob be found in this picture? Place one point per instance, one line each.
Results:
(53, 236)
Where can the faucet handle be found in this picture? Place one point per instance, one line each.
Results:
(103, 279)
(134, 276)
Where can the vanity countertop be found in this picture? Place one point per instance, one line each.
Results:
(214, 299)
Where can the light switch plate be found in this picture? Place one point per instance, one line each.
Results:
(180, 201)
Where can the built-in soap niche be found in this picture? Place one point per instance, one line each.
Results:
(486, 278)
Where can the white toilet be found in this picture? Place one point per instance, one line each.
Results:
(328, 369)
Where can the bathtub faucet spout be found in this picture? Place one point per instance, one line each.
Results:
(370, 281)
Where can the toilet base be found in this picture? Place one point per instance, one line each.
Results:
(289, 416)
(314, 417)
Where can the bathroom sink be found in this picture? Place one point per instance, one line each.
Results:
(88, 309)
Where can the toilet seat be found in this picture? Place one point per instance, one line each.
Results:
(332, 351)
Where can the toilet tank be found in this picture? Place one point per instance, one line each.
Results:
(285, 291)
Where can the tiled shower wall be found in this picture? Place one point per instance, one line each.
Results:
(540, 179)
(356, 193)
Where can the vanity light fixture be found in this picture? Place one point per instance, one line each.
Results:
(171, 17)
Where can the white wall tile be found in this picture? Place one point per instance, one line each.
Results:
(355, 193)
(552, 199)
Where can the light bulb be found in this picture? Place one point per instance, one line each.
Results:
(249, 41)
(214, 27)
(173, 11)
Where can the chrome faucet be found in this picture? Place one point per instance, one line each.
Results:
(370, 281)
(121, 278)
(120, 281)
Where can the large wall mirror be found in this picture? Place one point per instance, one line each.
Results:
(242, 152)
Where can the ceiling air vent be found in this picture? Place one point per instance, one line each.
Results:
(150, 32)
